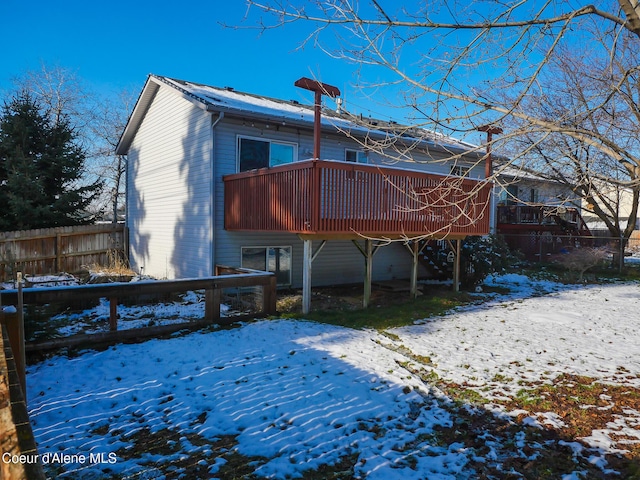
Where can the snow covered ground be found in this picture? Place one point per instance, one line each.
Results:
(189, 308)
(283, 398)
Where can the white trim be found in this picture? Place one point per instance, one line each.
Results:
(266, 248)
(268, 140)
(358, 152)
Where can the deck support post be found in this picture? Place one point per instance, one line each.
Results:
(368, 252)
(456, 267)
(368, 274)
(308, 256)
(456, 249)
(306, 276)
(415, 250)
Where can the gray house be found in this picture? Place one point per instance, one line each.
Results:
(217, 176)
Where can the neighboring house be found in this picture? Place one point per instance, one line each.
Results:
(619, 199)
(517, 186)
(535, 216)
(217, 176)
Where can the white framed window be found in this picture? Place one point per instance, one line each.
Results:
(254, 153)
(357, 156)
(275, 259)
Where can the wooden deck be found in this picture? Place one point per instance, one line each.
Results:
(541, 231)
(331, 199)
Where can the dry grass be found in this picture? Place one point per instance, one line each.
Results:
(117, 266)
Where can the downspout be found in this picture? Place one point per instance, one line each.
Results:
(212, 190)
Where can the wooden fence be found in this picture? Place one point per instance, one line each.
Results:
(60, 249)
(544, 246)
(15, 428)
(228, 278)
(16, 434)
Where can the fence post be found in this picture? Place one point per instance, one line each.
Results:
(58, 265)
(15, 331)
(621, 260)
(113, 313)
(212, 297)
(269, 296)
(539, 238)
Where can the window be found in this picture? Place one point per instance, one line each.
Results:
(508, 195)
(254, 153)
(357, 156)
(458, 171)
(269, 259)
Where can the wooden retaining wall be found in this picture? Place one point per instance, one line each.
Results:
(226, 278)
(19, 460)
(60, 249)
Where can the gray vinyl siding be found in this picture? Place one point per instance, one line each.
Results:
(176, 197)
(169, 199)
(339, 261)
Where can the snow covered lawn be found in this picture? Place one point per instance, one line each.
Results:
(190, 307)
(456, 397)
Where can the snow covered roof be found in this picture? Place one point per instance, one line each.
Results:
(232, 102)
(519, 173)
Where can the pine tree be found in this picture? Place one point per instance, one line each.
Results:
(41, 169)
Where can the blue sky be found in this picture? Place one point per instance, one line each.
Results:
(114, 45)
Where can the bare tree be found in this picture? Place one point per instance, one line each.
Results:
(582, 259)
(98, 122)
(109, 119)
(598, 96)
(465, 65)
(60, 92)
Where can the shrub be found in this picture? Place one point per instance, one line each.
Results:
(482, 256)
(582, 259)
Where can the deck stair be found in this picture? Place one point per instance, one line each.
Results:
(574, 225)
(433, 256)
(541, 231)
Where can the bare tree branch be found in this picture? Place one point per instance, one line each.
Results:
(463, 65)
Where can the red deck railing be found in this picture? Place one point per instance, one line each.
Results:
(319, 197)
(536, 215)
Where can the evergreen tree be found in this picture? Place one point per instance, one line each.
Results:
(41, 168)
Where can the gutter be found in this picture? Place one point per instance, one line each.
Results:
(356, 130)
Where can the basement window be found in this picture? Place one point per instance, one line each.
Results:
(255, 153)
(269, 259)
